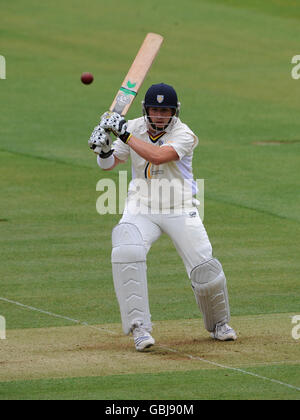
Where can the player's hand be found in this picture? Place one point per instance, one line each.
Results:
(100, 141)
(116, 123)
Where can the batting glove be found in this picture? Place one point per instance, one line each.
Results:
(117, 124)
(100, 142)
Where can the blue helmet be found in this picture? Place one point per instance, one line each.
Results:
(161, 96)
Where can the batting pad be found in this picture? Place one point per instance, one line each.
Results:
(130, 276)
(210, 289)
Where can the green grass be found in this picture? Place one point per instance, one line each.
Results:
(55, 251)
(230, 62)
(189, 385)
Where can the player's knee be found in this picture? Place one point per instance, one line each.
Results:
(208, 271)
(128, 245)
(200, 256)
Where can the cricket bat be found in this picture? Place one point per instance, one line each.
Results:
(137, 73)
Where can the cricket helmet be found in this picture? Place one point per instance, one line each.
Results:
(161, 96)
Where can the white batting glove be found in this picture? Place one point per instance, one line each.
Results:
(100, 142)
(116, 123)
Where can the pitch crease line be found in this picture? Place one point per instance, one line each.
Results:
(229, 368)
(75, 321)
(189, 356)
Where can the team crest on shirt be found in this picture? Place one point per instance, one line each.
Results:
(160, 98)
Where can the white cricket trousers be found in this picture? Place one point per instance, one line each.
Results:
(185, 229)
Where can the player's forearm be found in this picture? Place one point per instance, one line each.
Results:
(151, 153)
(112, 121)
(145, 150)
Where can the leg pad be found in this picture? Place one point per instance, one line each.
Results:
(210, 289)
(130, 276)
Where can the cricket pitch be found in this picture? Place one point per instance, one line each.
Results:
(76, 351)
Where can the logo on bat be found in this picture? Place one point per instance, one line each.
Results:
(131, 85)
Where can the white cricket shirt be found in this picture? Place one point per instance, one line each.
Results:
(162, 187)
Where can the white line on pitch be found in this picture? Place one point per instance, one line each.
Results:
(189, 356)
(229, 367)
(75, 321)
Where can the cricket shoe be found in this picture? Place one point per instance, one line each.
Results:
(224, 332)
(142, 338)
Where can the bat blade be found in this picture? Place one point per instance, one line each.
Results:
(137, 73)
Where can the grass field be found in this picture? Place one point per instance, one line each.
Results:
(230, 62)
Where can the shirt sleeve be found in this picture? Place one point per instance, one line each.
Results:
(121, 150)
(184, 144)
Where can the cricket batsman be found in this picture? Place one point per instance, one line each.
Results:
(160, 147)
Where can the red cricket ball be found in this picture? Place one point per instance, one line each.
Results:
(87, 78)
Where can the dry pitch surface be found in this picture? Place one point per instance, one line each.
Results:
(102, 350)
